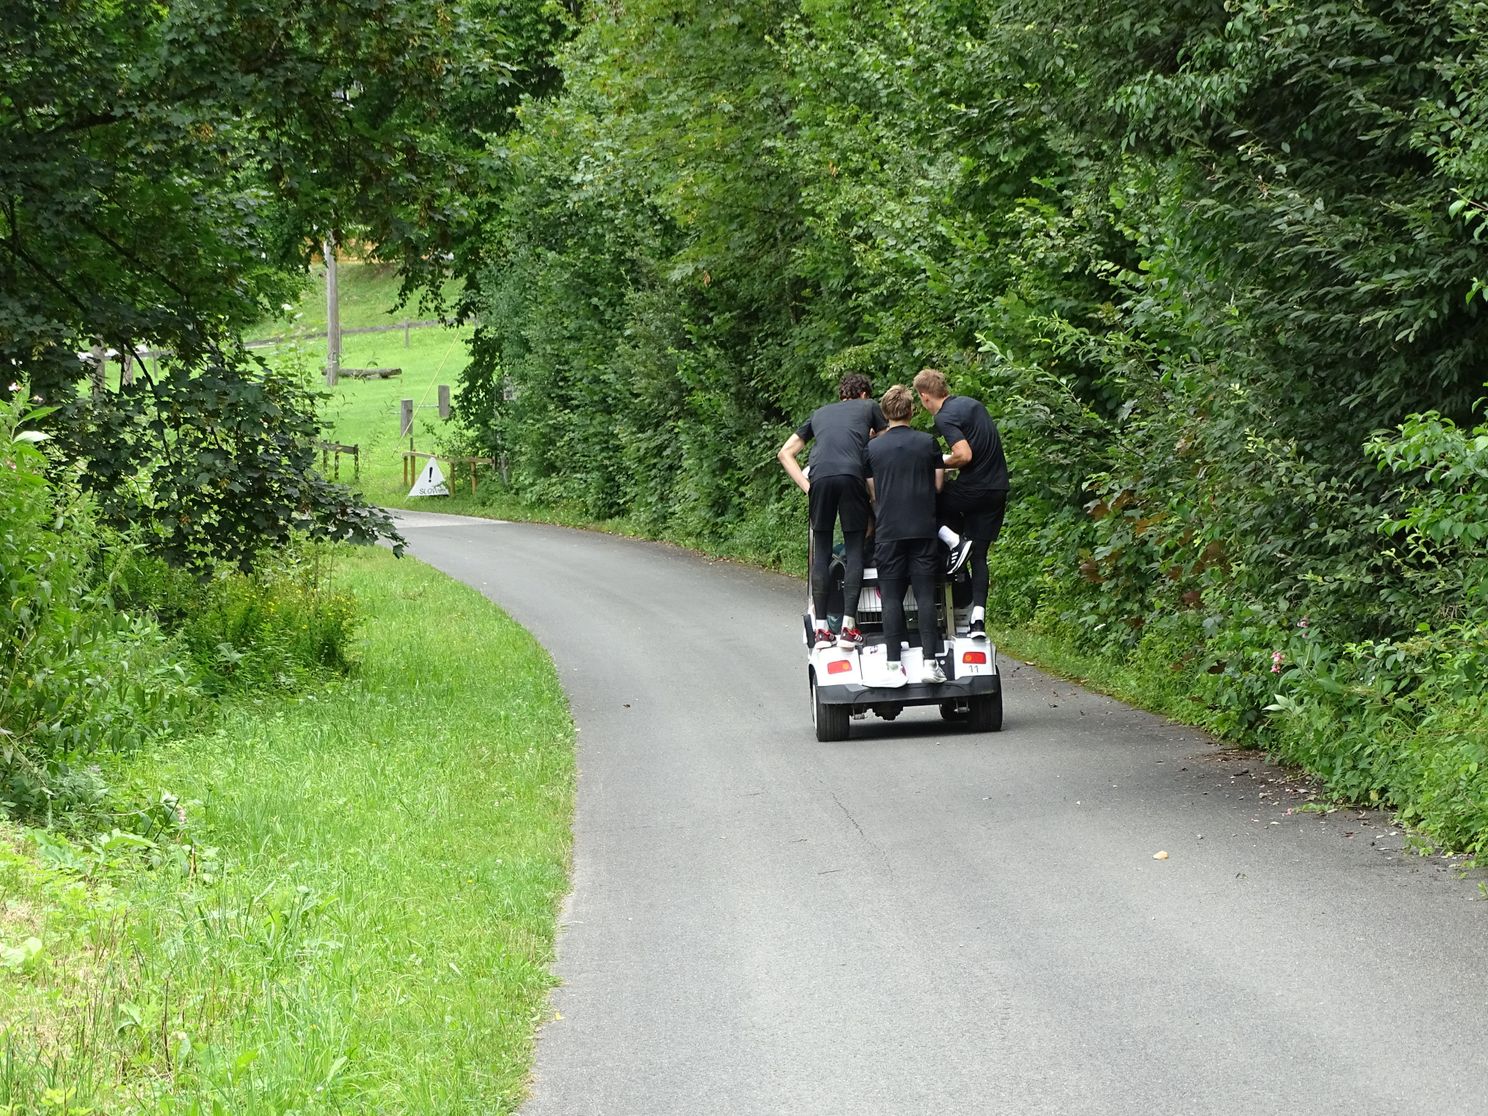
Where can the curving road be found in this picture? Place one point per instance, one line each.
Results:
(925, 920)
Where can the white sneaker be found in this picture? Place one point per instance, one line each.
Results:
(894, 677)
(932, 673)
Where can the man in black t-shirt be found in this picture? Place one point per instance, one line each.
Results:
(905, 473)
(837, 490)
(971, 507)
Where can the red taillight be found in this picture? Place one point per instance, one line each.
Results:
(840, 666)
(975, 658)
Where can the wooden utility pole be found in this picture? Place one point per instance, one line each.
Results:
(333, 315)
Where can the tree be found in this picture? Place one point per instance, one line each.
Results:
(165, 171)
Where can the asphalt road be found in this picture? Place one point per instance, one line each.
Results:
(926, 920)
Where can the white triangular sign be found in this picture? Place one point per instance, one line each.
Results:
(430, 482)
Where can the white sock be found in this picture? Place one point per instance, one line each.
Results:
(848, 622)
(978, 613)
(949, 537)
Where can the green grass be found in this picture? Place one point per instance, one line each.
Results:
(362, 916)
(366, 292)
(366, 413)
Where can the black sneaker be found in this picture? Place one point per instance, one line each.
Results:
(977, 630)
(957, 557)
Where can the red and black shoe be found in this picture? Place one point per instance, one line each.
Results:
(824, 638)
(849, 638)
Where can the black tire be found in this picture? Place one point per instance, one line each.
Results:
(949, 711)
(830, 721)
(986, 713)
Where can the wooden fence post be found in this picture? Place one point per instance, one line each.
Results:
(444, 401)
(406, 418)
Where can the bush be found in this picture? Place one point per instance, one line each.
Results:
(113, 647)
(83, 680)
(1401, 721)
(276, 628)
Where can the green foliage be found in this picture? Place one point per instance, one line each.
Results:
(1192, 256)
(79, 680)
(327, 915)
(277, 628)
(220, 464)
(167, 170)
(1401, 720)
(114, 647)
(1442, 515)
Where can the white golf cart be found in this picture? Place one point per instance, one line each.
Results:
(846, 684)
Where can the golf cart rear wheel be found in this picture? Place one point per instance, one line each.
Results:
(830, 721)
(952, 711)
(986, 713)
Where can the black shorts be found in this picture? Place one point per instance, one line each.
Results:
(839, 496)
(975, 514)
(901, 559)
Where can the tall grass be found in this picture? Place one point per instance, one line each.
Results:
(358, 912)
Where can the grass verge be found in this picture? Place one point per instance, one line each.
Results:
(359, 913)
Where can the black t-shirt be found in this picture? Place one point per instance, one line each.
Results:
(960, 418)
(838, 434)
(902, 463)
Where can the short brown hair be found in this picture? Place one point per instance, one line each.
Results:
(897, 403)
(931, 382)
(853, 385)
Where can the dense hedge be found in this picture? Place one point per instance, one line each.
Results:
(1195, 257)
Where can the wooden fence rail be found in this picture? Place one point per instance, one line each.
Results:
(306, 335)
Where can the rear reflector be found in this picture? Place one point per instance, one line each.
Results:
(839, 666)
(977, 658)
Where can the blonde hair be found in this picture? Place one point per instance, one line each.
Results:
(897, 403)
(931, 382)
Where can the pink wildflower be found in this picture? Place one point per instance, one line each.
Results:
(1302, 623)
(1277, 658)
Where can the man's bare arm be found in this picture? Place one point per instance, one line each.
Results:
(939, 479)
(960, 455)
(787, 455)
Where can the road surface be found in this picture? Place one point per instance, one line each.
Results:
(926, 920)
